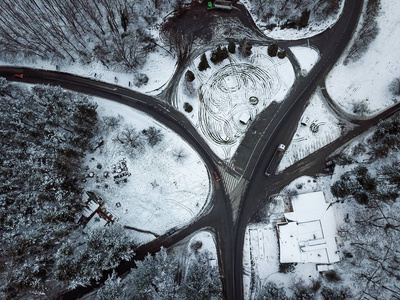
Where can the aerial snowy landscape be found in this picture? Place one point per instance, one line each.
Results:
(199, 149)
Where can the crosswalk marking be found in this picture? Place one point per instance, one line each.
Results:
(230, 181)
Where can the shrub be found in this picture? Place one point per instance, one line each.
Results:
(203, 65)
(272, 50)
(232, 47)
(245, 47)
(332, 276)
(305, 16)
(140, 79)
(286, 268)
(189, 76)
(187, 107)
(394, 87)
(219, 55)
(282, 54)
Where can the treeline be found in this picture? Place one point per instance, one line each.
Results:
(116, 33)
(165, 276)
(368, 32)
(44, 133)
(294, 13)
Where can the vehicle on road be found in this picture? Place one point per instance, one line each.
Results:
(19, 75)
(329, 166)
(273, 164)
(170, 232)
(216, 176)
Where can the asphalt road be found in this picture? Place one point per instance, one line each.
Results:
(273, 126)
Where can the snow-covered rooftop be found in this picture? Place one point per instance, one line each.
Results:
(309, 235)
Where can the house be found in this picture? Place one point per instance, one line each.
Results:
(309, 232)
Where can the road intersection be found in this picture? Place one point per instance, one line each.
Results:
(243, 188)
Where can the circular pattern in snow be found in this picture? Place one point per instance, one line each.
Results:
(225, 97)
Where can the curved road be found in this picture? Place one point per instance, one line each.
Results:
(230, 214)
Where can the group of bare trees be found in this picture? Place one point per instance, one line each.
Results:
(116, 33)
(280, 12)
(367, 33)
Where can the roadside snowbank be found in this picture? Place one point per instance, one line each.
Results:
(159, 68)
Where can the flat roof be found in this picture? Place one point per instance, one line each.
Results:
(309, 235)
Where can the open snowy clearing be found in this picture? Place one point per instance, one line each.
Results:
(317, 128)
(159, 68)
(307, 57)
(203, 242)
(167, 185)
(234, 88)
(311, 30)
(367, 80)
(261, 245)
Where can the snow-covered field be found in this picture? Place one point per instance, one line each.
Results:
(307, 57)
(317, 128)
(223, 93)
(162, 190)
(312, 29)
(367, 80)
(159, 68)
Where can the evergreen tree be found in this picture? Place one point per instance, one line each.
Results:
(231, 47)
(203, 65)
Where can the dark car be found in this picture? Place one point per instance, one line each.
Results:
(170, 232)
(19, 75)
(330, 163)
(216, 176)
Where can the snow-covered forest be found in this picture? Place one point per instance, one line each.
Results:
(293, 14)
(45, 132)
(166, 276)
(116, 33)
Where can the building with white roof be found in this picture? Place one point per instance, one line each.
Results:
(309, 233)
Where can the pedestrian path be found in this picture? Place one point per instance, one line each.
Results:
(230, 179)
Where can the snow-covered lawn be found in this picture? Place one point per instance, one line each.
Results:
(203, 242)
(317, 128)
(235, 87)
(159, 68)
(306, 56)
(167, 185)
(367, 80)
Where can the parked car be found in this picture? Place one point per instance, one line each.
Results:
(216, 176)
(19, 75)
(329, 166)
(329, 163)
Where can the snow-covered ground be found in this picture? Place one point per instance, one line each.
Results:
(312, 29)
(317, 128)
(307, 57)
(159, 68)
(161, 191)
(367, 80)
(203, 242)
(224, 92)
